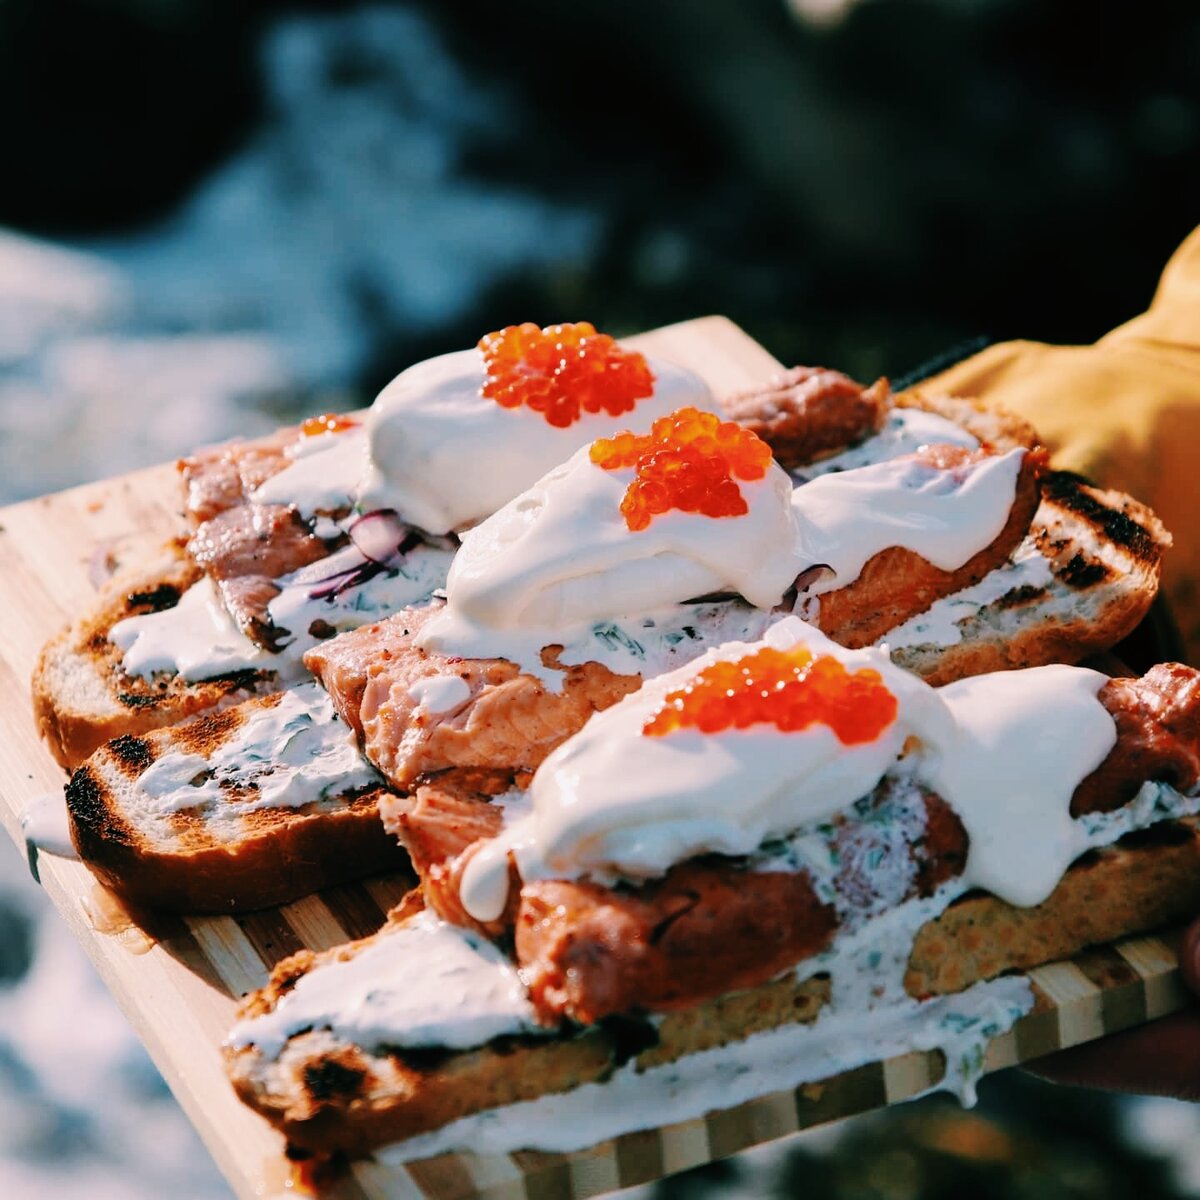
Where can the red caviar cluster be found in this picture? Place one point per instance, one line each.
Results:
(689, 461)
(326, 423)
(789, 689)
(563, 371)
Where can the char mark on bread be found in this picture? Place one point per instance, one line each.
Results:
(1118, 523)
(132, 754)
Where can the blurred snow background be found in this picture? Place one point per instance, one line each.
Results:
(401, 185)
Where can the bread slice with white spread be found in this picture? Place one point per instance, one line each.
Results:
(618, 940)
(238, 809)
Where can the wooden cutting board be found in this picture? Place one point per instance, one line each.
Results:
(178, 981)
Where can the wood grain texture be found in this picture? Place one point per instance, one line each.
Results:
(177, 980)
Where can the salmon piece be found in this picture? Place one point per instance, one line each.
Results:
(707, 928)
(509, 721)
(1158, 738)
(247, 599)
(255, 539)
(223, 477)
(442, 826)
(809, 413)
(711, 926)
(898, 583)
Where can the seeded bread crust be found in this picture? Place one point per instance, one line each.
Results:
(81, 696)
(206, 861)
(327, 1095)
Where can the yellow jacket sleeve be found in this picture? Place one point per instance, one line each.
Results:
(1125, 412)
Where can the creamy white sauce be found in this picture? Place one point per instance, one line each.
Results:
(196, 639)
(412, 580)
(905, 431)
(425, 984)
(288, 755)
(560, 557)
(440, 693)
(1027, 740)
(1006, 751)
(869, 1019)
(777, 1060)
(941, 623)
(445, 456)
(612, 801)
(944, 516)
(46, 827)
(323, 476)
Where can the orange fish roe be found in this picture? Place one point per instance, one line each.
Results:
(688, 461)
(326, 423)
(563, 371)
(786, 688)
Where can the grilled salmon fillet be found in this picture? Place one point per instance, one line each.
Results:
(222, 477)
(898, 583)
(709, 925)
(508, 721)
(808, 413)
(511, 721)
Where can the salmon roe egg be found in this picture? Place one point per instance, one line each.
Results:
(326, 423)
(563, 371)
(789, 689)
(689, 461)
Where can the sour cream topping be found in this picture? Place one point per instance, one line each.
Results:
(560, 555)
(425, 984)
(1026, 741)
(286, 755)
(905, 431)
(323, 476)
(944, 516)
(196, 639)
(444, 456)
(614, 802)
(1006, 751)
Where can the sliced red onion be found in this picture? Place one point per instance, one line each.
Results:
(380, 535)
(381, 538)
(810, 576)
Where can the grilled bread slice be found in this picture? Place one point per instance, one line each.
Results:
(329, 1095)
(82, 697)
(1100, 560)
(1104, 551)
(251, 806)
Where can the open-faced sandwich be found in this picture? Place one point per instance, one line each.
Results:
(931, 522)
(776, 863)
(332, 524)
(641, 683)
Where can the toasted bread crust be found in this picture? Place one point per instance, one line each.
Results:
(1105, 551)
(270, 856)
(82, 698)
(1145, 881)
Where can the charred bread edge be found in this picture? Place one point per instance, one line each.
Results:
(326, 1095)
(1106, 554)
(82, 699)
(282, 854)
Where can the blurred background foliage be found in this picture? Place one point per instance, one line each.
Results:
(866, 190)
(215, 215)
